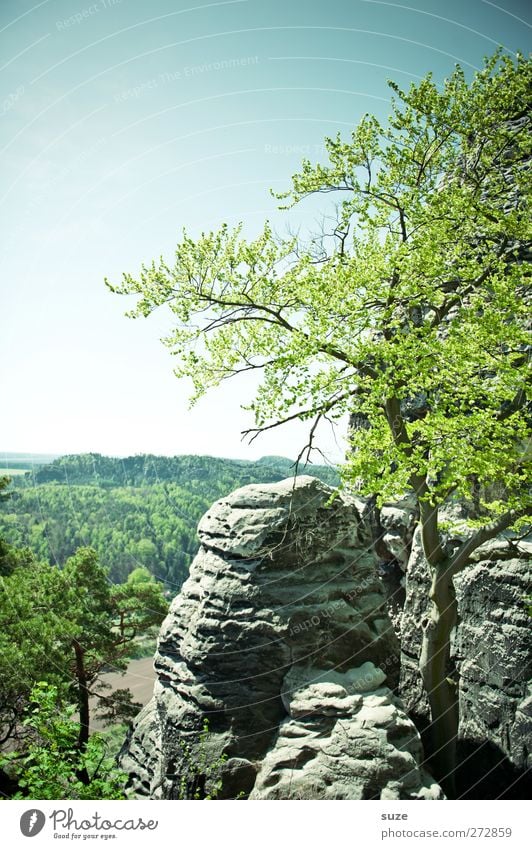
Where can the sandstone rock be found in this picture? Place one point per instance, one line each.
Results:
(334, 745)
(392, 528)
(397, 524)
(279, 634)
(491, 652)
(491, 661)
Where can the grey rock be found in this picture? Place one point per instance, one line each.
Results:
(335, 745)
(397, 525)
(281, 623)
(491, 650)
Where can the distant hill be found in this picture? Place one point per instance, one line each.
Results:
(144, 469)
(16, 460)
(140, 510)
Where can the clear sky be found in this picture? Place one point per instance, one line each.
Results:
(122, 121)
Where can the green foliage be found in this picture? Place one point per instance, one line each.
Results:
(52, 763)
(199, 771)
(138, 605)
(152, 525)
(35, 634)
(88, 599)
(4, 483)
(71, 625)
(412, 313)
(105, 619)
(204, 476)
(146, 513)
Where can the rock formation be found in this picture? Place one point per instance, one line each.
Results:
(492, 661)
(345, 737)
(491, 652)
(281, 641)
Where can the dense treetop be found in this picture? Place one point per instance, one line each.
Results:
(416, 291)
(410, 310)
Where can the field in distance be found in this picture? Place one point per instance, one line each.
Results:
(13, 463)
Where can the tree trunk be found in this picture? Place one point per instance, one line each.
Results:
(435, 669)
(83, 700)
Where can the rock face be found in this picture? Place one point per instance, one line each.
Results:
(491, 662)
(280, 639)
(491, 654)
(345, 737)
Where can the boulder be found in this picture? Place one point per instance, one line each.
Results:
(344, 738)
(281, 625)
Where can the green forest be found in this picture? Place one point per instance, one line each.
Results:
(135, 511)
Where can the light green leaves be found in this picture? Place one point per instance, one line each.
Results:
(416, 302)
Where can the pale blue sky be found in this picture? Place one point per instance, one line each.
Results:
(121, 121)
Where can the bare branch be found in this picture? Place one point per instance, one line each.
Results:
(310, 443)
(256, 431)
(321, 411)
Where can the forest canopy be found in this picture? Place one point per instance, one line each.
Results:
(133, 511)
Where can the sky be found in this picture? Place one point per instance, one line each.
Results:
(123, 121)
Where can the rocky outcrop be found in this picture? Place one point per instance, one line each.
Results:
(345, 737)
(491, 661)
(281, 641)
(493, 655)
(393, 527)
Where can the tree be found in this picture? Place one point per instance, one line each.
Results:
(69, 627)
(410, 311)
(52, 763)
(34, 628)
(105, 620)
(6, 551)
(4, 483)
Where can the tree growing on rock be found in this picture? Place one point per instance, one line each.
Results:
(410, 312)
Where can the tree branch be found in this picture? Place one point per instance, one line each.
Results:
(461, 559)
(321, 411)
(430, 535)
